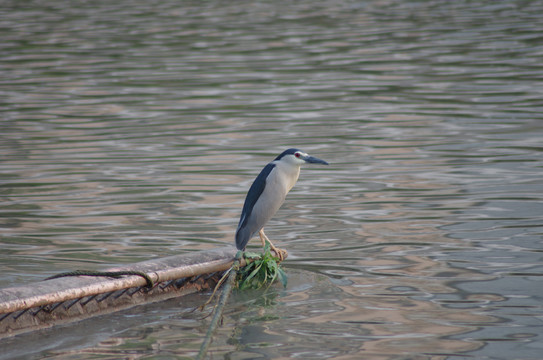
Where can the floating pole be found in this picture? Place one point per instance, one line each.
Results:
(58, 301)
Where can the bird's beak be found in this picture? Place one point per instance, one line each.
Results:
(314, 160)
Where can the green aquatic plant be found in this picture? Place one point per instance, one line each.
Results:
(261, 270)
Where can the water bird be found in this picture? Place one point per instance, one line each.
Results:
(267, 194)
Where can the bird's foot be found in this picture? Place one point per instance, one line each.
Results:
(281, 253)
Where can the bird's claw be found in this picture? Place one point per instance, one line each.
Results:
(280, 253)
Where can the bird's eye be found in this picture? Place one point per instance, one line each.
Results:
(297, 154)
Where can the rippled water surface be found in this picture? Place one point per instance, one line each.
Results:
(132, 131)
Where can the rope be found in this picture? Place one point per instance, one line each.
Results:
(113, 274)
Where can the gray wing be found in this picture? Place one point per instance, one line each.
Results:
(245, 232)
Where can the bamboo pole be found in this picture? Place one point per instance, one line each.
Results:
(58, 301)
(62, 300)
(159, 270)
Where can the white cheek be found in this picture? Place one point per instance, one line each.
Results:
(301, 161)
(294, 160)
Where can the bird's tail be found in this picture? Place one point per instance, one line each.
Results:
(242, 238)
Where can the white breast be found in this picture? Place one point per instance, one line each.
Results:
(279, 182)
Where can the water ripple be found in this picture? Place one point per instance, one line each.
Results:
(132, 131)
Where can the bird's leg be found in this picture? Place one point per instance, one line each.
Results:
(280, 252)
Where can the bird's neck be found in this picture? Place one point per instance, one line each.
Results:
(290, 174)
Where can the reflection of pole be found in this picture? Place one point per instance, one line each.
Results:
(217, 313)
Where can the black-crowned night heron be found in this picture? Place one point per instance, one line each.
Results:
(267, 194)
